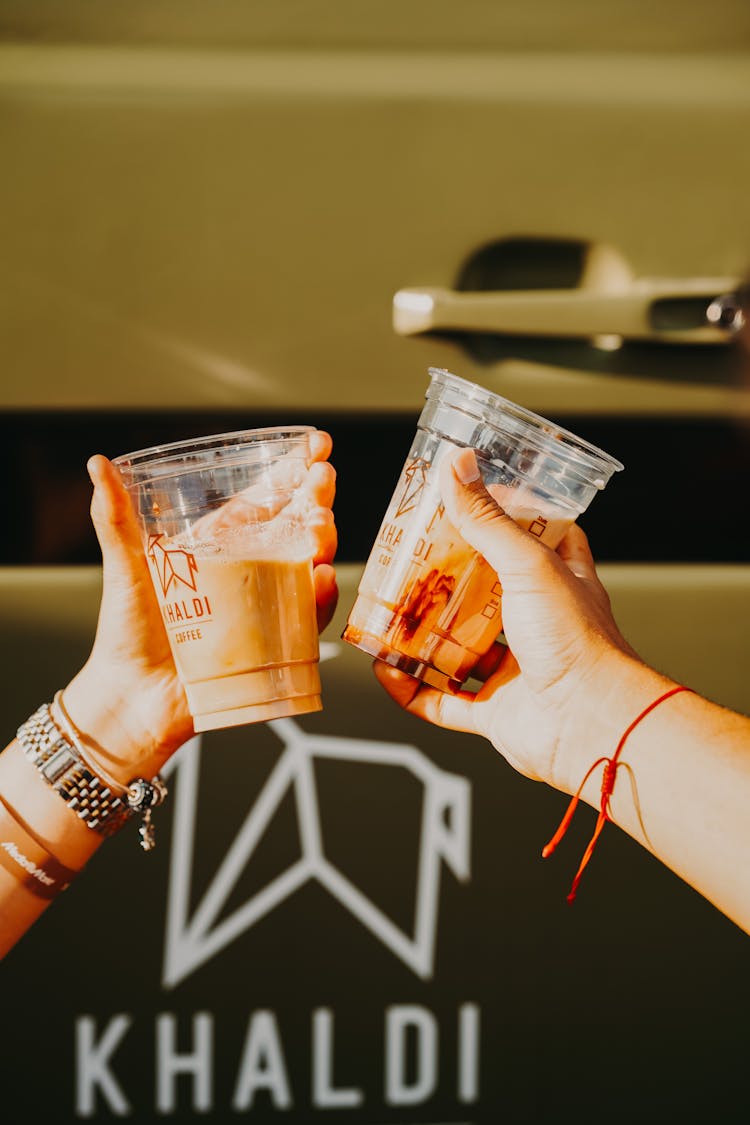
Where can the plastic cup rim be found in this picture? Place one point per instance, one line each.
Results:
(548, 434)
(141, 462)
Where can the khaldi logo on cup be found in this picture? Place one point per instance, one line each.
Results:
(175, 569)
(172, 564)
(416, 478)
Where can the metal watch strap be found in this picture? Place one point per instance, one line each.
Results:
(62, 767)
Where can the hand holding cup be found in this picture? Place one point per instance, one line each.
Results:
(129, 690)
(560, 638)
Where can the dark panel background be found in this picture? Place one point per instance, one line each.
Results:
(679, 499)
(630, 1006)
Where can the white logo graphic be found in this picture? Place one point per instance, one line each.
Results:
(445, 836)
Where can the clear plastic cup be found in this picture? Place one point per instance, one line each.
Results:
(427, 602)
(224, 527)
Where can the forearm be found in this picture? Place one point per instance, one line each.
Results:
(45, 842)
(683, 786)
(41, 815)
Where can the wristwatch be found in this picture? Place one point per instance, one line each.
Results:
(62, 767)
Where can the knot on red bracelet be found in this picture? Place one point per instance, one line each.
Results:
(611, 766)
(608, 782)
(608, 778)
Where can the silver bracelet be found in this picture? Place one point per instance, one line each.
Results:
(61, 761)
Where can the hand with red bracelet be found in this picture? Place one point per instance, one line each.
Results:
(560, 695)
(562, 641)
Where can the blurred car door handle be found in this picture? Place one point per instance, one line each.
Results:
(694, 311)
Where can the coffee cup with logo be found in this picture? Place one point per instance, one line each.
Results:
(427, 602)
(224, 527)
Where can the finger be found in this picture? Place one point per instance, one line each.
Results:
(442, 709)
(326, 594)
(575, 552)
(507, 669)
(515, 555)
(321, 484)
(489, 663)
(324, 534)
(321, 444)
(113, 516)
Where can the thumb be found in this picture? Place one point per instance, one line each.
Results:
(114, 519)
(511, 552)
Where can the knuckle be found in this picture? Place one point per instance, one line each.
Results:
(481, 508)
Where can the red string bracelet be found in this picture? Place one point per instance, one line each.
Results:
(611, 765)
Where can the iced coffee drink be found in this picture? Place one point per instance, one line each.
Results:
(230, 556)
(242, 632)
(427, 602)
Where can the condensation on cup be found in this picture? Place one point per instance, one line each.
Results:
(427, 602)
(224, 526)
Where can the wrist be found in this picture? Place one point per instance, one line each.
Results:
(73, 772)
(619, 685)
(98, 723)
(113, 731)
(42, 812)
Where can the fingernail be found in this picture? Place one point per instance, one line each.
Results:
(465, 466)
